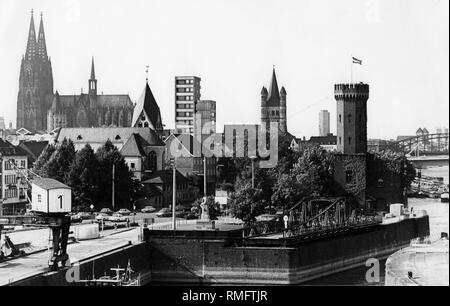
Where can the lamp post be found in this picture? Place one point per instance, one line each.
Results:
(134, 207)
(253, 159)
(174, 194)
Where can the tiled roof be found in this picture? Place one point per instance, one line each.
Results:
(48, 183)
(8, 149)
(115, 101)
(165, 177)
(34, 148)
(136, 145)
(101, 135)
(324, 140)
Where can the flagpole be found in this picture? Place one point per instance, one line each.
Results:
(351, 70)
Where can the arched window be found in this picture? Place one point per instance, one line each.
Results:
(146, 124)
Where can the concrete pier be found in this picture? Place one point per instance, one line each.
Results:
(419, 265)
(33, 269)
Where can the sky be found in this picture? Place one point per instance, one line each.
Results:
(233, 45)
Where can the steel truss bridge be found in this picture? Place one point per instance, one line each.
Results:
(427, 144)
(314, 218)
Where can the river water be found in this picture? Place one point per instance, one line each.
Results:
(439, 222)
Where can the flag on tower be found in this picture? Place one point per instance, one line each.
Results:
(356, 61)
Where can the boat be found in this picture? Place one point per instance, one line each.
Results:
(123, 277)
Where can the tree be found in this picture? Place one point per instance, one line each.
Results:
(246, 202)
(58, 166)
(43, 159)
(83, 177)
(314, 171)
(107, 156)
(311, 175)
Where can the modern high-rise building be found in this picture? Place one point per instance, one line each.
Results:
(324, 123)
(187, 94)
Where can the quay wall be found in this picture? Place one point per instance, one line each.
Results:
(178, 259)
(138, 254)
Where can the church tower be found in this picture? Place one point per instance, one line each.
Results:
(92, 81)
(35, 82)
(273, 105)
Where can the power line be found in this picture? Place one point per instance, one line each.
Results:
(310, 105)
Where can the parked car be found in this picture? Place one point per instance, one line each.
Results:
(124, 212)
(75, 218)
(191, 215)
(265, 217)
(165, 212)
(84, 215)
(118, 218)
(148, 209)
(102, 217)
(107, 211)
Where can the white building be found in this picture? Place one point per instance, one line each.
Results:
(12, 187)
(187, 93)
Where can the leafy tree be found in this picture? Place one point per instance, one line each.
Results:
(246, 202)
(311, 175)
(43, 159)
(107, 156)
(314, 171)
(58, 166)
(83, 177)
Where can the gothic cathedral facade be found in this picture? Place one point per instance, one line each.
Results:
(40, 109)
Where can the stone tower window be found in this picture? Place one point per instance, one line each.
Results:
(348, 176)
(340, 118)
(79, 137)
(117, 137)
(349, 140)
(349, 118)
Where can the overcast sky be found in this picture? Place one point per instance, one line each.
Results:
(232, 45)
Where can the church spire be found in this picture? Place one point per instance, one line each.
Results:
(273, 90)
(42, 48)
(92, 81)
(31, 44)
(92, 70)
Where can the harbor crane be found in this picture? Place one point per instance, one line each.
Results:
(50, 203)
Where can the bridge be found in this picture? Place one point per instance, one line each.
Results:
(427, 144)
(424, 150)
(312, 218)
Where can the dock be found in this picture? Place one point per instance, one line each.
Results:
(36, 264)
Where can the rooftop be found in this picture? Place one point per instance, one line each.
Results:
(49, 183)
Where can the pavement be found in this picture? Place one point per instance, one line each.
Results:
(37, 263)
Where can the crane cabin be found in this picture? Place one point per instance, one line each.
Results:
(50, 196)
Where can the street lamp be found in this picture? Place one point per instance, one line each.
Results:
(253, 159)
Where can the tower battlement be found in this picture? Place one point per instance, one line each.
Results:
(358, 91)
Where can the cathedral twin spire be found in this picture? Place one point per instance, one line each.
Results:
(39, 48)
